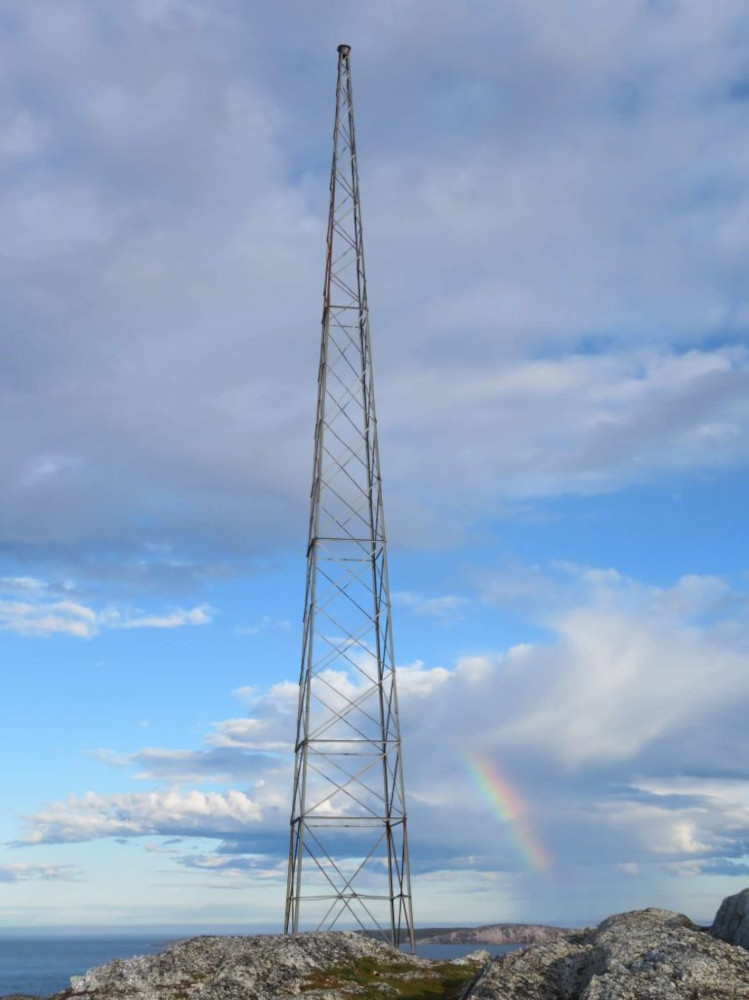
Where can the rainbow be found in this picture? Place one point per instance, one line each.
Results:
(510, 808)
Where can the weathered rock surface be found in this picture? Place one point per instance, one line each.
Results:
(326, 966)
(643, 955)
(490, 934)
(732, 920)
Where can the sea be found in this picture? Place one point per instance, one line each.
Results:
(41, 966)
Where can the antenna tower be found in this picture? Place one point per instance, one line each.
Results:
(348, 852)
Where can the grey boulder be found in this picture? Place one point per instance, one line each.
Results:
(643, 955)
(732, 920)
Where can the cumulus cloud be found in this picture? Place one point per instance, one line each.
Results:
(269, 727)
(40, 619)
(202, 615)
(44, 617)
(169, 813)
(592, 729)
(629, 663)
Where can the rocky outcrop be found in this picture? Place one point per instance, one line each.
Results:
(320, 966)
(732, 920)
(490, 934)
(643, 955)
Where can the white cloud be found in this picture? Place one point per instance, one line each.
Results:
(40, 614)
(630, 664)
(589, 727)
(581, 423)
(248, 869)
(447, 606)
(629, 867)
(726, 789)
(173, 813)
(266, 623)
(43, 873)
(657, 830)
(271, 725)
(202, 615)
(48, 618)
(620, 750)
(416, 680)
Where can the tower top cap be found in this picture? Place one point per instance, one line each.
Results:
(344, 49)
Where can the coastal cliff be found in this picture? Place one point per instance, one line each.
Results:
(489, 934)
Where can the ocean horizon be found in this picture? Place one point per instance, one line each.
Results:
(41, 965)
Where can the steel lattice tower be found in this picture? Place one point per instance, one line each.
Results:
(348, 853)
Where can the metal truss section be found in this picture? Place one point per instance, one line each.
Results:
(348, 852)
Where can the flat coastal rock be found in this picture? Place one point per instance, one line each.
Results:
(643, 955)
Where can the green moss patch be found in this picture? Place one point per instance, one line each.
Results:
(370, 979)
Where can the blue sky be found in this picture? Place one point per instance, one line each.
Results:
(555, 205)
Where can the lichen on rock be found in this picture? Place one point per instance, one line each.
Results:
(316, 966)
(644, 955)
